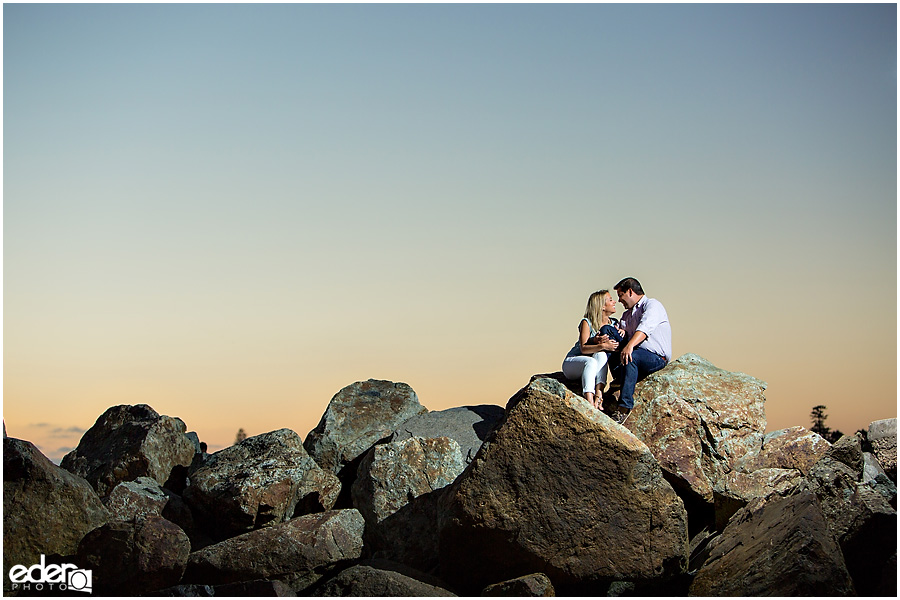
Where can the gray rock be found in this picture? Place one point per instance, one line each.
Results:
(564, 490)
(736, 489)
(536, 585)
(46, 509)
(366, 581)
(875, 478)
(262, 481)
(392, 474)
(776, 546)
(871, 468)
(390, 478)
(848, 450)
(195, 440)
(304, 544)
(469, 426)
(359, 416)
(792, 448)
(130, 558)
(699, 421)
(883, 437)
(138, 498)
(859, 517)
(618, 589)
(128, 442)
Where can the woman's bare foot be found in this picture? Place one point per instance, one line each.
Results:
(598, 397)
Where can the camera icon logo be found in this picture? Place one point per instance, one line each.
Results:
(80, 580)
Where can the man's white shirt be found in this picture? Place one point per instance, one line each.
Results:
(649, 316)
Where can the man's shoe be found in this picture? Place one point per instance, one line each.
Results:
(620, 415)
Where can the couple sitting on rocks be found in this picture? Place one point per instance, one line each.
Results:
(639, 344)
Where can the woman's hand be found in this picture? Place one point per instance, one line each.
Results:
(606, 344)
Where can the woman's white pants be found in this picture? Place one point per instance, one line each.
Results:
(591, 369)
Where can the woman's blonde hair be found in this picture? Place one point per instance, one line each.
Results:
(594, 310)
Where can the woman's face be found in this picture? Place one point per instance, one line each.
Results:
(609, 304)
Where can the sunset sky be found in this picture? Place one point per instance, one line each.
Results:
(230, 212)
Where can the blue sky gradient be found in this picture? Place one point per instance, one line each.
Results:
(232, 211)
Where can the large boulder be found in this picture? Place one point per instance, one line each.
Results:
(133, 557)
(359, 416)
(128, 442)
(262, 481)
(561, 488)
(848, 450)
(469, 426)
(138, 498)
(390, 478)
(699, 421)
(310, 543)
(792, 448)
(737, 489)
(883, 437)
(46, 509)
(776, 546)
(858, 515)
(875, 478)
(369, 582)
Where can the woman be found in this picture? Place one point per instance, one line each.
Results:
(587, 358)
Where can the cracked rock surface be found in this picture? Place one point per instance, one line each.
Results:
(396, 490)
(289, 550)
(700, 422)
(561, 489)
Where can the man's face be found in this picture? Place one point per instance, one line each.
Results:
(628, 299)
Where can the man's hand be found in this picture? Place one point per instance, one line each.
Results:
(634, 342)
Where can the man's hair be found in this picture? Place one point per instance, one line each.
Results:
(630, 283)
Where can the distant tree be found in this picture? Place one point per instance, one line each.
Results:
(834, 435)
(818, 416)
(241, 436)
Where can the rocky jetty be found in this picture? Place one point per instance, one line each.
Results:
(262, 481)
(128, 442)
(545, 496)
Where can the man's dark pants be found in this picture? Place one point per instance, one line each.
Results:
(642, 364)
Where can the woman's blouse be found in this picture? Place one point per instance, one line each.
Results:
(576, 349)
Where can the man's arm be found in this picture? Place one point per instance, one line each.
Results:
(654, 314)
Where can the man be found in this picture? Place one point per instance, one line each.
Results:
(648, 343)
